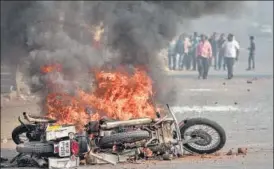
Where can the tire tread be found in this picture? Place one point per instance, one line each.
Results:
(204, 121)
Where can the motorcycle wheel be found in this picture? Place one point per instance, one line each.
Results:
(207, 144)
(124, 137)
(20, 130)
(35, 147)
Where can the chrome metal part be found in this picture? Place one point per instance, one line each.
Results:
(126, 123)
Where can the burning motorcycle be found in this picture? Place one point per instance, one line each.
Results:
(111, 141)
(163, 136)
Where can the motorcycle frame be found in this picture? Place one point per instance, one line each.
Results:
(177, 128)
(163, 129)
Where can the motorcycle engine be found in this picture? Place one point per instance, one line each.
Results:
(92, 127)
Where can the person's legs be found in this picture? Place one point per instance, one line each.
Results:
(215, 61)
(188, 61)
(249, 61)
(200, 66)
(169, 61)
(206, 67)
(253, 61)
(220, 60)
(224, 64)
(174, 56)
(184, 61)
(194, 61)
(232, 67)
(229, 63)
(180, 62)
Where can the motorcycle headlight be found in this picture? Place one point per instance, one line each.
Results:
(71, 136)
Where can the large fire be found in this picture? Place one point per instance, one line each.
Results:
(117, 95)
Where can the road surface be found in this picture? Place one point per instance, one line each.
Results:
(245, 110)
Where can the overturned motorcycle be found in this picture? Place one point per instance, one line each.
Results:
(110, 141)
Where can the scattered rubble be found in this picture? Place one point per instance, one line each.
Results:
(230, 152)
(242, 151)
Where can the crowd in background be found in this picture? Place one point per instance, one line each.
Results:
(200, 52)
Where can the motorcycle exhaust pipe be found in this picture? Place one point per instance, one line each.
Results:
(126, 123)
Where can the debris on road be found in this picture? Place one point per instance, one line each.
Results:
(249, 82)
(242, 151)
(230, 152)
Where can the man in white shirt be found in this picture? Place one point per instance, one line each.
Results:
(231, 53)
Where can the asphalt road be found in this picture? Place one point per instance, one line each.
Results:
(245, 110)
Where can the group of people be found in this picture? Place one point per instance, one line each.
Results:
(199, 51)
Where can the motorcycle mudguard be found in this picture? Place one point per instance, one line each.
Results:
(55, 132)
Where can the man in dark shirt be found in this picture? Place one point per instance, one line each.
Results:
(214, 44)
(251, 57)
(221, 60)
(194, 41)
(179, 50)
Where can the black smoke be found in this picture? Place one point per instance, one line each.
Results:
(135, 30)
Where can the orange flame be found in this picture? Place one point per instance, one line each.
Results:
(51, 68)
(117, 95)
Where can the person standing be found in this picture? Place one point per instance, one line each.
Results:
(204, 54)
(171, 56)
(221, 61)
(179, 50)
(194, 42)
(187, 59)
(231, 52)
(251, 57)
(214, 44)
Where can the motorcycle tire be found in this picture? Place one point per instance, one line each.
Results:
(35, 147)
(83, 146)
(124, 137)
(20, 130)
(205, 122)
